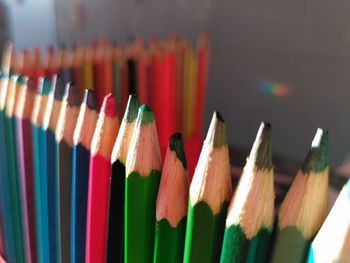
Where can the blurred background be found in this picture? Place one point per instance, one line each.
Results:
(286, 62)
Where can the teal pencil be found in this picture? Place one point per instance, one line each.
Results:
(10, 249)
(40, 175)
(11, 98)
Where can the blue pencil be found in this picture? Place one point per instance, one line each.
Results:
(80, 174)
(48, 129)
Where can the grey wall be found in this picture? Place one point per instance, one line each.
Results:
(31, 22)
(301, 43)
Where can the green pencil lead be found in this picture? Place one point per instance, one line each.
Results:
(132, 108)
(145, 115)
(261, 152)
(317, 158)
(176, 144)
(90, 99)
(44, 86)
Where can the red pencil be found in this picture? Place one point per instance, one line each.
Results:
(202, 68)
(100, 165)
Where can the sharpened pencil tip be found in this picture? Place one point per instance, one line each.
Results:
(70, 95)
(131, 108)
(21, 79)
(145, 115)
(44, 86)
(57, 88)
(109, 107)
(217, 134)
(89, 99)
(261, 153)
(176, 144)
(31, 84)
(317, 158)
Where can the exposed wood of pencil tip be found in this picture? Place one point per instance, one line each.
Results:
(212, 177)
(27, 92)
(12, 95)
(6, 58)
(87, 119)
(252, 206)
(305, 205)
(122, 142)
(106, 129)
(144, 157)
(53, 105)
(172, 196)
(68, 115)
(40, 102)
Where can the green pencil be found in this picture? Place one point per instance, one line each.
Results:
(115, 232)
(143, 165)
(11, 98)
(250, 215)
(172, 201)
(304, 208)
(210, 192)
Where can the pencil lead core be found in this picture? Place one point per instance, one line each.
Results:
(261, 153)
(176, 144)
(317, 158)
(217, 135)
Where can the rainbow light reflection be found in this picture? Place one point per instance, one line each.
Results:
(274, 88)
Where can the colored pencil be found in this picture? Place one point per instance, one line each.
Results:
(11, 100)
(332, 242)
(100, 165)
(65, 62)
(250, 215)
(10, 247)
(115, 238)
(143, 166)
(304, 208)
(83, 133)
(23, 110)
(51, 116)
(39, 171)
(87, 68)
(64, 139)
(172, 201)
(210, 192)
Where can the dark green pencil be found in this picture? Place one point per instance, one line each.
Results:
(172, 201)
(250, 215)
(11, 98)
(210, 192)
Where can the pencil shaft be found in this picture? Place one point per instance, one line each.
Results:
(6, 197)
(115, 239)
(24, 153)
(169, 241)
(140, 205)
(52, 190)
(96, 231)
(65, 182)
(204, 233)
(14, 187)
(80, 182)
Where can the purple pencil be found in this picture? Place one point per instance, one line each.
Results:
(23, 112)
